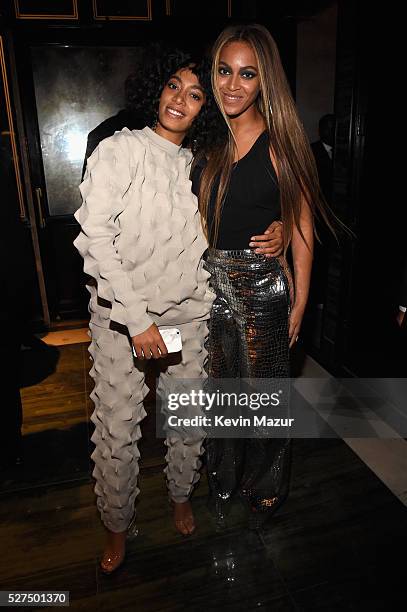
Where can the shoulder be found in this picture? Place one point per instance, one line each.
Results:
(187, 154)
(119, 155)
(107, 127)
(122, 145)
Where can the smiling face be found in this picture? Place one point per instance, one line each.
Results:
(180, 102)
(237, 79)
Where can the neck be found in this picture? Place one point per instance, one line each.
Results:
(175, 137)
(249, 121)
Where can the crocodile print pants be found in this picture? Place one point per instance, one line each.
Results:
(248, 337)
(118, 397)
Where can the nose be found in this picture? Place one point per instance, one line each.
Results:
(179, 97)
(234, 82)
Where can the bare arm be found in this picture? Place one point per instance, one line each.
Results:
(302, 261)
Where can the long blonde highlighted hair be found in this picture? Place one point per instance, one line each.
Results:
(295, 163)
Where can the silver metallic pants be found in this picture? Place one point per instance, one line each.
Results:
(118, 397)
(248, 337)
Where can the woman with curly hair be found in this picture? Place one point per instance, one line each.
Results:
(259, 168)
(142, 244)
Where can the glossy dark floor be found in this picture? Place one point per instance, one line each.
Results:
(338, 543)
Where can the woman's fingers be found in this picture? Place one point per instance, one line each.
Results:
(269, 246)
(162, 347)
(293, 341)
(270, 243)
(149, 344)
(294, 329)
(155, 350)
(293, 334)
(146, 350)
(138, 350)
(267, 250)
(262, 238)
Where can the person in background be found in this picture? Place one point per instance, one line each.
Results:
(126, 117)
(155, 58)
(323, 154)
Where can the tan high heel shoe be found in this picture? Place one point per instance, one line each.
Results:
(112, 560)
(183, 517)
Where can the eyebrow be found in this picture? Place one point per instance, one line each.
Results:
(242, 68)
(197, 86)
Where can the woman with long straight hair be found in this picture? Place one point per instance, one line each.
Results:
(257, 170)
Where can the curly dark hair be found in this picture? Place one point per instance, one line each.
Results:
(143, 90)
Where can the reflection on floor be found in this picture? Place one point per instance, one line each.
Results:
(66, 336)
(336, 544)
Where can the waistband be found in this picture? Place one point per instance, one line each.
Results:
(242, 255)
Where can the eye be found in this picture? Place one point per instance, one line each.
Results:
(223, 70)
(248, 74)
(172, 85)
(196, 97)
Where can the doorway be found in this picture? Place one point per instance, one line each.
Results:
(69, 90)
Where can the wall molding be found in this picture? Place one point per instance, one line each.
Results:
(147, 17)
(12, 133)
(70, 16)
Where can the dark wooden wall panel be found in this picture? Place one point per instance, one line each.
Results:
(122, 9)
(200, 9)
(46, 9)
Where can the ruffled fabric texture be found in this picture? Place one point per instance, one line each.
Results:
(141, 234)
(118, 397)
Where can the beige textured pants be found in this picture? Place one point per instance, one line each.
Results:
(118, 397)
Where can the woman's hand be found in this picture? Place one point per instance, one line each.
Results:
(149, 344)
(296, 316)
(270, 243)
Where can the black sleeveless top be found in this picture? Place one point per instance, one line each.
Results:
(252, 201)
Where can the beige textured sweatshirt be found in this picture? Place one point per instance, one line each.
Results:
(141, 236)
